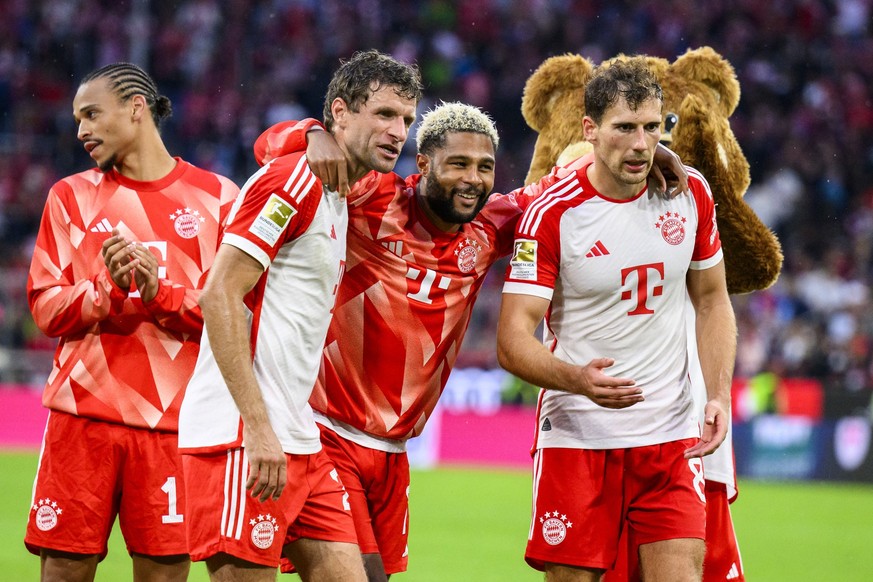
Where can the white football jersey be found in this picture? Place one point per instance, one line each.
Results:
(615, 273)
(298, 233)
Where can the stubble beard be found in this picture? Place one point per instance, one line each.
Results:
(108, 164)
(633, 179)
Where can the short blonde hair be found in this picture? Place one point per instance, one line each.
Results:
(453, 118)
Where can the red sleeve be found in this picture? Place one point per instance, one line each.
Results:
(707, 243)
(286, 137)
(277, 205)
(61, 304)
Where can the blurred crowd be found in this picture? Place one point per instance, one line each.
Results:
(233, 67)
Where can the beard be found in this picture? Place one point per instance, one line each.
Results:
(108, 164)
(442, 202)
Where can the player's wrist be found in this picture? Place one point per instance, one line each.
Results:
(722, 403)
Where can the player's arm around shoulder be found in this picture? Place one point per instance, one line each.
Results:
(530, 192)
(716, 331)
(520, 353)
(329, 163)
(504, 211)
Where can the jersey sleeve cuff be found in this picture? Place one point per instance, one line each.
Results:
(248, 247)
(156, 305)
(117, 295)
(528, 289)
(709, 263)
(297, 142)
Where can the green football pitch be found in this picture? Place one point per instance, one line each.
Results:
(471, 525)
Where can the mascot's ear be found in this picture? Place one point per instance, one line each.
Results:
(660, 67)
(550, 82)
(706, 66)
(553, 105)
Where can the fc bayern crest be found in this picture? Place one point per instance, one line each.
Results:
(187, 222)
(264, 530)
(468, 253)
(555, 527)
(672, 227)
(47, 513)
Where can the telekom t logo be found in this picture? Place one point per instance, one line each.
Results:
(642, 290)
(427, 283)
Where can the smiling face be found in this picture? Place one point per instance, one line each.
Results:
(373, 136)
(105, 123)
(624, 145)
(456, 179)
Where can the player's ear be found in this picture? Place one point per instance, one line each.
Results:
(423, 163)
(139, 107)
(339, 108)
(589, 129)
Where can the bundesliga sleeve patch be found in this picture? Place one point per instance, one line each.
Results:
(272, 220)
(523, 265)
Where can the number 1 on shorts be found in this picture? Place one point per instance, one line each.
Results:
(169, 488)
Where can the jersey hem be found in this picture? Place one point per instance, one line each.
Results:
(618, 442)
(360, 437)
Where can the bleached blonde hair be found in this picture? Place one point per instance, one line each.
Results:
(453, 117)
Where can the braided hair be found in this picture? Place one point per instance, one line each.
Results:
(127, 80)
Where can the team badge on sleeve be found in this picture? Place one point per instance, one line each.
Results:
(523, 266)
(555, 527)
(46, 514)
(272, 220)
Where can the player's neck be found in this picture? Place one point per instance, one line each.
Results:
(608, 185)
(148, 163)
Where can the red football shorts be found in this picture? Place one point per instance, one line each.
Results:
(89, 472)
(722, 561)
(378, 486)
(583, 499)
(225, 518)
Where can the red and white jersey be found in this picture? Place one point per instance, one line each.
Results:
(297, 232)
(404, 306)
(405, 303)
(615, 273)
(119, 359)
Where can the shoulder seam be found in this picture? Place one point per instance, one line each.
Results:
(565, 189)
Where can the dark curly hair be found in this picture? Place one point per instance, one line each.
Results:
(629, 78)
(366, 72)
